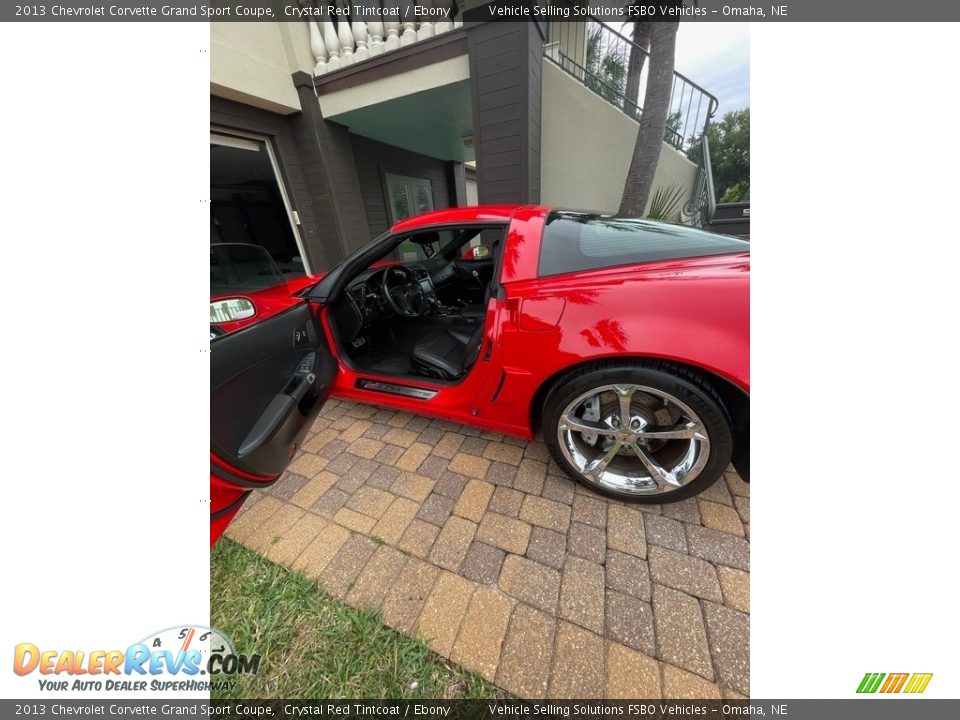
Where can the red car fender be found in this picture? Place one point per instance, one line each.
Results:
(683, 311)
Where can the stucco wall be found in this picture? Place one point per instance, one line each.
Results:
(252, 62)
(586, 148)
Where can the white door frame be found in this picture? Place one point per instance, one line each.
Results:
(239, 137)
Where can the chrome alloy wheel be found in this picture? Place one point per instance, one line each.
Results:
(633, 439)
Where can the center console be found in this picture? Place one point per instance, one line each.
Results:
(437, 308)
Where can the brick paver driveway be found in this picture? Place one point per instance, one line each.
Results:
(480, 544)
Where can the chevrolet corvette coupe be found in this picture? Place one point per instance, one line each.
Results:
(623, 343)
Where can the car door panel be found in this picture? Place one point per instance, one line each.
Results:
(267, 384)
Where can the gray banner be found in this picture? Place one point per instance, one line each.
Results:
(504, 10)
(873, 708)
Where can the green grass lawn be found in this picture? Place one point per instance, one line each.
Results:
(314, 646)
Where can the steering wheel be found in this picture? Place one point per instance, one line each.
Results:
(403, 292)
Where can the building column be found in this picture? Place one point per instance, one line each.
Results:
(506, 70)
(330, 173)
(457, 184)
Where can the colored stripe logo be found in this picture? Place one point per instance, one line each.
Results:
(894, 682)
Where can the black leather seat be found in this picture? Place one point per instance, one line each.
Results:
(447, 354)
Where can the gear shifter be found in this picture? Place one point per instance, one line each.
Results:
(438, 307)
(435, 307)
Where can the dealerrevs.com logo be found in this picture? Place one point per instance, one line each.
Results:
(183, 659)
(894, 683)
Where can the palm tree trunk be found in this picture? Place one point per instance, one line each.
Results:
(653, 120)
(641, 38)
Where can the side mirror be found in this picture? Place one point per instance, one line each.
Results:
(478, 253)
(230, 309)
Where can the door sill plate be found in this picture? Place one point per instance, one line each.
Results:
(394, 389)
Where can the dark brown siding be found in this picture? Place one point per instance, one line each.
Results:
(374, 160)
(535, 37)
(506, 64)
(333, 180)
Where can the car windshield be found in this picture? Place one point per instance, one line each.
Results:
(239, 267)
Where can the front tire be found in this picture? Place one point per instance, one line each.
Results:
(641, 431)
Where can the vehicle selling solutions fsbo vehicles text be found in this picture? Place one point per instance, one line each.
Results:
(625, 13)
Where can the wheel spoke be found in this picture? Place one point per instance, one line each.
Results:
(574, 424)
(658, 473)
(624, 395)
(625, 416)
(688, 431)
(596, 467)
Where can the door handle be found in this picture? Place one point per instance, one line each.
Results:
(282, 407)
(300, 391)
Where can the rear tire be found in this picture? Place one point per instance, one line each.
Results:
(675, 443)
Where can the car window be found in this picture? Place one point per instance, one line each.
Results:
(241, 268)
(573, 242)
(421, 246)
(409, 251)
(486, 240)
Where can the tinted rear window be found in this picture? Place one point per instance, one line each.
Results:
(573, 242)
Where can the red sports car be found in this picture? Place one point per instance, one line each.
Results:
(624, 343)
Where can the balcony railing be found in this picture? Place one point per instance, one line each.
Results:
(363, 29)
(616, 68)
(702, 205)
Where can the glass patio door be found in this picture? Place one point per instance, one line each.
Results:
(408, 196)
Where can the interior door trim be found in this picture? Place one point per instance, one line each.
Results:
(284, 358)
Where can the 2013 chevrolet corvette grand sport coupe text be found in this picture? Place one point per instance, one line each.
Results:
(624, 343)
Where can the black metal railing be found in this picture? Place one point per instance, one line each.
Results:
(703, 202)
(616, 68)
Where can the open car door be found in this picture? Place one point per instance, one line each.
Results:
(268, 382)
